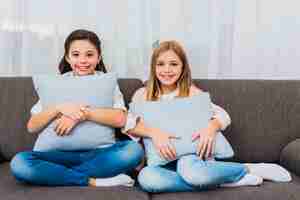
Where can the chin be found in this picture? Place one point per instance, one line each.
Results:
(80, 73)
(168, 83)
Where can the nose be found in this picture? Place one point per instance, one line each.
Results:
(168, 68)
(83, 59)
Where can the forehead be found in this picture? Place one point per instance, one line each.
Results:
(168, 55)
(82, 45)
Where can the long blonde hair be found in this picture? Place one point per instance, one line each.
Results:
(183, 83)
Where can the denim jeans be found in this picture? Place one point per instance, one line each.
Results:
(189, 173)
(65, 168)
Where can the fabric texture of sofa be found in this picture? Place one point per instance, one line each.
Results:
(265, 128)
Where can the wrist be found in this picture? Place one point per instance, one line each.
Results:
(57, 109)
(54, 111)
(214, 125)
(71, 118)
(86, 112)
(152, 132)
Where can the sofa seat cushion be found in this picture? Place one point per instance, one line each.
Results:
(10, 189)
(267, 191)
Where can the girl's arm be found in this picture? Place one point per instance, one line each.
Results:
(134, 125)
(114, 117)
(161, 140)
(39, 120)
(107, 116)
(221, 116)
(219, 121)
(42, 117)
(207, 136)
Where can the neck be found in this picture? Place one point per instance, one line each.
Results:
(168, 89)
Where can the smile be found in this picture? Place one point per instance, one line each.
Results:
(83, 68)
(167, 76)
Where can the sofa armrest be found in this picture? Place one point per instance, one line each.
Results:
(290, 157)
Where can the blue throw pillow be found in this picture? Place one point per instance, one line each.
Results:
(93, 90)
(181, 117)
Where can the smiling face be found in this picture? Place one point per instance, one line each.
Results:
(168, 70)
(83, 57)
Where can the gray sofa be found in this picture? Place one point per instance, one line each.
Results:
(265, 127)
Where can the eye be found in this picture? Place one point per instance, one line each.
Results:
(90, 54)
(174, 64)
(159, 63)
(75, 54)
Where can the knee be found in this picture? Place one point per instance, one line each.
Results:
(197, 176)
(20, 165)
(133, 153)
(150, 180)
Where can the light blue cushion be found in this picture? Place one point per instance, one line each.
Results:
(181, 117)
(95, 91)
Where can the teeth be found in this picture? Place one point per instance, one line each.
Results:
(167, 76)
(83, 67)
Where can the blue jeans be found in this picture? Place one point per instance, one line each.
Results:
(189, 173)
(65, 168)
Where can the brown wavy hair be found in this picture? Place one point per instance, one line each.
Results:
(184, 82)
(81, 34)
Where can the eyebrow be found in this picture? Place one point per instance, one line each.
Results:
(167, 61)
(77, 51)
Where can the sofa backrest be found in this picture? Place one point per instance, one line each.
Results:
(265, 115)
(17, 98)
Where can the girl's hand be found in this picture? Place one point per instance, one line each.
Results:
(81, 115)
(64, 125)
(207, 138)
(162, 142)
(70, 109)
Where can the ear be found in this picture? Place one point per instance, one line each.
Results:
(69, 62)
(67, 59)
